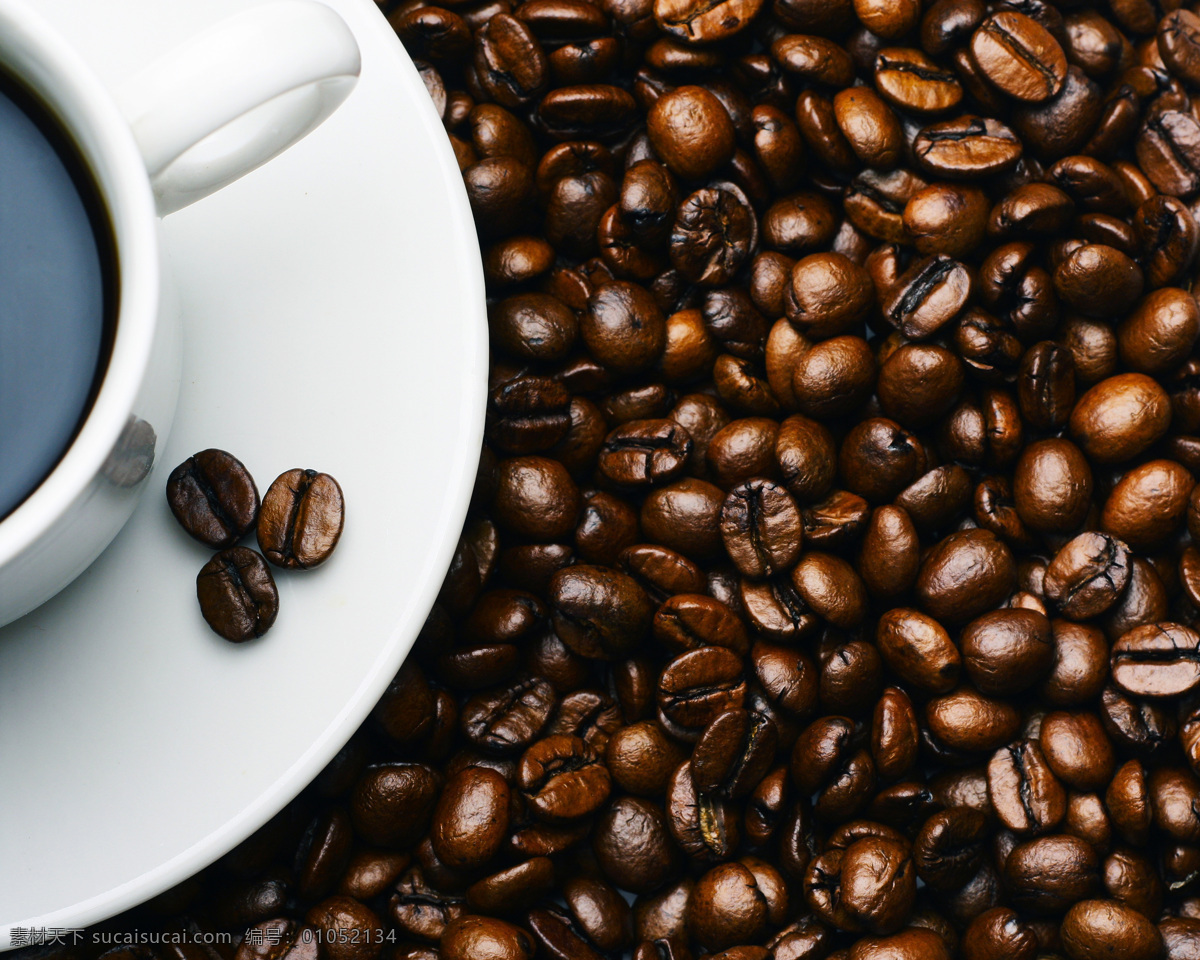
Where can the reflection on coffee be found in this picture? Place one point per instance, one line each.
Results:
(57, 293)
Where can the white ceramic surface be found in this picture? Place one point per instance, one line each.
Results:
(333, 306)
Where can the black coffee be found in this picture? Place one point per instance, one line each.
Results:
(57, 293)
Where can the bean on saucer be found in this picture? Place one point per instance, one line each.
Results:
(237, 594)
(301, 519)
(213, 497)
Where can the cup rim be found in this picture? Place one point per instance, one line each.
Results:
(41, 59)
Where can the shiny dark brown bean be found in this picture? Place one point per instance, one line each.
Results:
(1157, 660)
(301, 519)
(928, 296)
(760, 526)
(733, 753)
(237, 594)
(912, 81)
(1120, 417)
(1007, 651)
(968, 147)
(696, 686)
(1049, 874)
(213, 497)
(964, 575)
(1087, 575)
(1019, 56)
(1028, 798)
(509, 62)
(714, 233)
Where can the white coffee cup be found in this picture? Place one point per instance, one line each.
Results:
(192, 122)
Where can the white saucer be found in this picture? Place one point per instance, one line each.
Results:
(334, 320)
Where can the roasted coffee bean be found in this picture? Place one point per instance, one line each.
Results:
(1098, 280)
(950, 847)
(471, 936)
(632, 845)
(645, 452)
(869, 126)
(1052, 486)
(895, 734)
(967, 721)
(918, 649)
(814, 58)
(799, 223)
(967, 147)
(1167, 238)
(1087, 575)
(1157, 660)
(1091, 927)
(831, 588)
(1080, 664)
(1019, 56)
(1167, 152)
(1120, 418)
(889, 559)
(600, 613)
(510, 64)
(743, 450)
(350, 926)
(999, 932)
(1046, 385)
(471, 818)
(563, 779)
(940, 374)
(535, 497)
(301, 519)
(1148, 504)
(760, 526)
(829, 295)
(696, 686)
(237, 594)
(641, 759)
(685, 517)
(1028, 798)
(689, 621)
(691, 132)
(512, 889)
(596, 110)
(911, 81)
(947, 218)
(928, 296)
(508, 719)
(392, 803)
(705, 827)
(1007, 651)
(1032, 209)
(528, 415)
(1050, 873)
(1077, 749)
(714, 233)
(965, 574)
(733, 753)
(213, 497)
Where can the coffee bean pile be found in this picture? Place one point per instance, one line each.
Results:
(298, 524)
(831, 584)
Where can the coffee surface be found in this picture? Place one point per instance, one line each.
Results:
(53, 334)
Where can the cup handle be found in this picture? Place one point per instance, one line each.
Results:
(237, 94)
